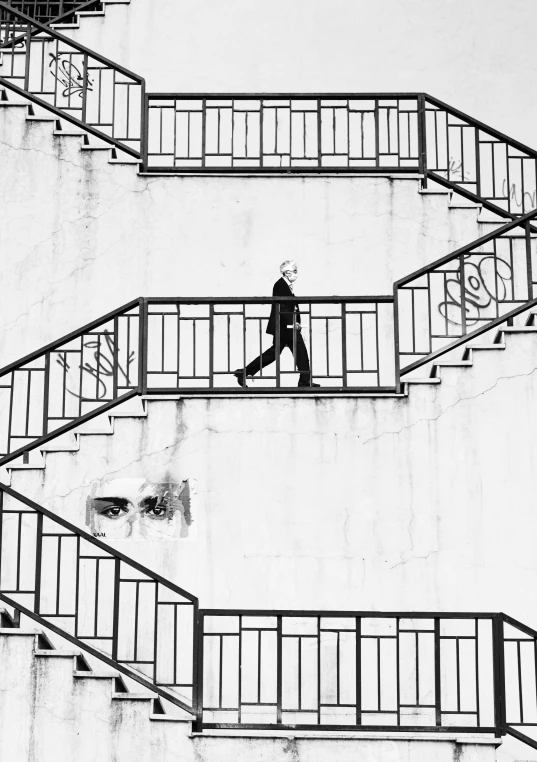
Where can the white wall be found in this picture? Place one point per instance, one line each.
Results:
(368, 504)
(80, 237)
(478, 56)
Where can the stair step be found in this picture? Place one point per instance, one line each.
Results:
(60, 654)
(94, 675)
(134, 696)
(421, 381)
(18, 631)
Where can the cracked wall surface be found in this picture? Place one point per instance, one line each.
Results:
(478, 56)
(80, 237)
(423, 503)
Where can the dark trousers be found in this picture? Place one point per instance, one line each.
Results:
(286, 340)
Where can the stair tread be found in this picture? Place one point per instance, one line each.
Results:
(62, 654)
(135, 696)
(95, 675)
(18, 631)
(421, 381)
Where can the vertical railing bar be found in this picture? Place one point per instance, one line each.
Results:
(477, 680)
(398, 667)
(97, 580)
(58, 575)
(28, 396)
(499, 674)
(344, 342)
(319, 670)
(519, 671)
(38, 557)
(527, 236)
(277, 345)
(220, 670)
(477, 162)
(458, 662)
(416, 640)
(211, 345)
(299, 673)
(116, 358)
(279, 662)
(175, 612)
(358, 624)
(239, 687)
(437, 673)
(46, 393)
(136, 607)
(115, 622)
(396, 348)
(463, 297)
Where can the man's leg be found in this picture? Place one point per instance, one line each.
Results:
(268, 357)
(302, 360)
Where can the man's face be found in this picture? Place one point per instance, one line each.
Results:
(133, 508)
(291, 275)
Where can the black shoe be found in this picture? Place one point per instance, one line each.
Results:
(240, 375)
(300, 383)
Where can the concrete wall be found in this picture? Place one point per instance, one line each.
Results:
(386, 504)
(477, 56)
(80, 237)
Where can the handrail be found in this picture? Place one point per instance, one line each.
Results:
(73, 86)
(103, 623)
(465, 294)
(164, 345)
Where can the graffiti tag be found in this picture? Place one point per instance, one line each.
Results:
(100, 367)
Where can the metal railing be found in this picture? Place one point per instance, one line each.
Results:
(71, 81)
(70, 381)
(52, 11)
(477, 161)
(98, 598)
(464, 294)
(331, 670)
(370, 671)
(283, 132)
(266, 133)
(162, 346)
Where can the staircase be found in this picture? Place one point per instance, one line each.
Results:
(485, 290)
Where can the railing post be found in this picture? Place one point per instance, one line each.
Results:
(499, 674)
(277, 344)
(38, 555)
(529, 269)
(437, 674)
(197, 692)
(422, 139)
(397, 358)
(144, 129)
(143, 334)
(211, 346)
(463, 296)
(115, 623)
(279, 671)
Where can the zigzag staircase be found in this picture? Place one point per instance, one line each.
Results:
(438, 309)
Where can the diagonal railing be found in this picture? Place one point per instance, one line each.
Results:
(71, 81)
(98, 598)
(70, 381)
(477, 161)
(466, 293)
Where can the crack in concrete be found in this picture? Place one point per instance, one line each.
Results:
(449, 407)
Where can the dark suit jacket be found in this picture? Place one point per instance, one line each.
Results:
(287, 309)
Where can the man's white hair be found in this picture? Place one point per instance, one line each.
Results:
(289, 264)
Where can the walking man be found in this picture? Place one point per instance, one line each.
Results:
(290, 331)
